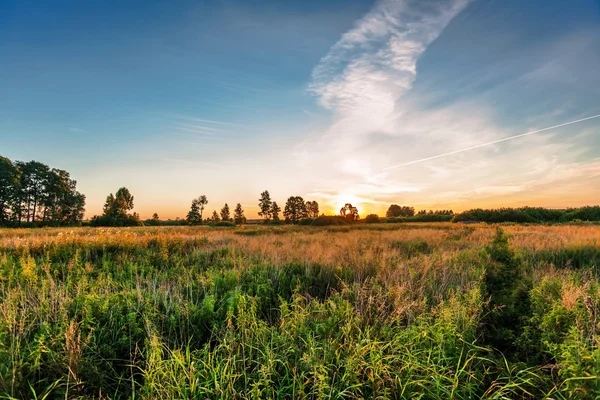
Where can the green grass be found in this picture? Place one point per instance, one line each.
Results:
(434, 311)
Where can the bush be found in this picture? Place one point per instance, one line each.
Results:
(372, 219)
(529, 215)
(326, 220)
(222, 223)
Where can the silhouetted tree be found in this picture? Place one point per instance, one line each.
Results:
(215, 216)
(265, 204)
(155, 217)
(61, 202)
(193, 216)
(34, 178)
(238, 215)
(295, 209)
(225, 213)
(202, 202)
(396, 211)
(350, 212)
(9, 189)
(275, 210)
(116, 210)
(372, 218)
(312, 209)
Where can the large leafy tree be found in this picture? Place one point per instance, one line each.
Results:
(9, 188)
(62, 203)
(265, 204)
(238, 215)
(33, 185)
(312, 209)
(32, 192)
(349, 211)
(295, 209)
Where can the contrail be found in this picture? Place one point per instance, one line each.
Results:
(489, 143)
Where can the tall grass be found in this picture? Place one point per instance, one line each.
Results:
(376, 311)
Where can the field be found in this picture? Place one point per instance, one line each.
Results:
(433, 311)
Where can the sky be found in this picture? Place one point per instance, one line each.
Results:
(368, 102)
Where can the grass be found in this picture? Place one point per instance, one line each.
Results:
(432, 311)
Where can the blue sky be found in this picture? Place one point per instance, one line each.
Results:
(310, 98)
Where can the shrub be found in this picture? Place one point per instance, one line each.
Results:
(223, 223)
(372, 219)
(326, 220)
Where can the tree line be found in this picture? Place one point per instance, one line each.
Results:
(33, 194)
(530, 215)
(296, 210)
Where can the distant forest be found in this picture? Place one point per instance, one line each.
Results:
(34, 195)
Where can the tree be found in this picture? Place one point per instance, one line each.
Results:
(265, 204)
(275, 210)
(116, 208)
(372, 218)
(34, 178)
(295, 209)
(238, 215)
(349, 212)
(155, 217)
(193, 216)
(202, 202)
(312, 208)
(225, 213)
(9, 189)
(396, 211)
(215, 216)
(61, 203)
(122, 203)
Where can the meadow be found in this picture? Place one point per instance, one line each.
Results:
(373, 311)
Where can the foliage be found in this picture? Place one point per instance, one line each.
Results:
(295, 209)
(354, 311)
(274, 212)
(530, 215)
(312, 209)
(349, 212)
(116, 211)
(238, 215)
(397, 211)
(225, 214)
(33, 193)
(372, 219)
(265, 205)
(508, 309)
(421, 218)
(325, 220)
(194, 216)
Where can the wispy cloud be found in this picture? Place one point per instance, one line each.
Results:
(374, 64)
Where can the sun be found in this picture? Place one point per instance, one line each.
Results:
(341, 199)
